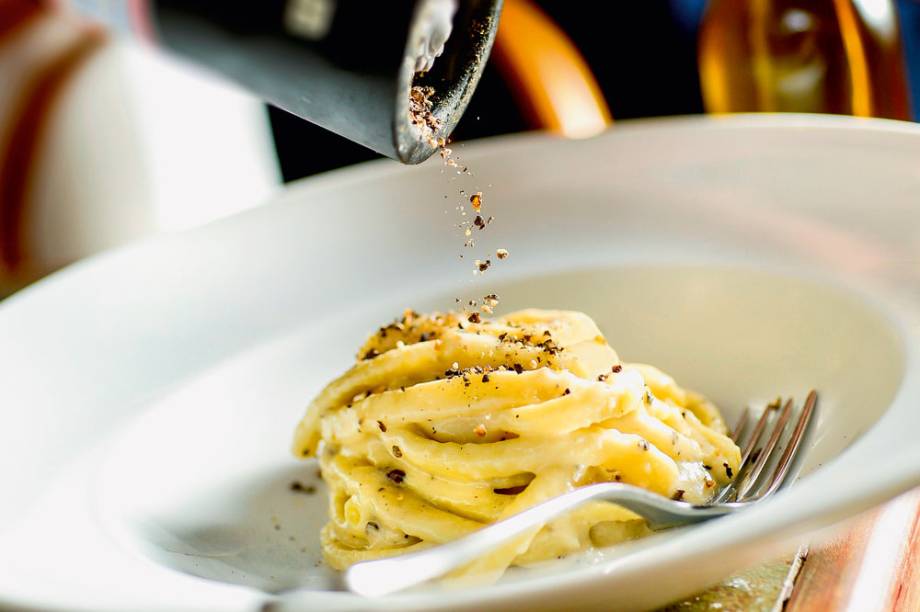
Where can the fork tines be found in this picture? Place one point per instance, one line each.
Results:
(766, 460)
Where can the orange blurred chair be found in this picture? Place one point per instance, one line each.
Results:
(550, 79)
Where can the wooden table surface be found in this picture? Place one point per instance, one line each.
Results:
(872, 565)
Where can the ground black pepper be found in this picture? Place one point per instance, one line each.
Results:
(299, 487)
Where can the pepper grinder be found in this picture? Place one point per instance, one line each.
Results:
(393, 76)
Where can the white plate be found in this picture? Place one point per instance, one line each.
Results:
(148, 395)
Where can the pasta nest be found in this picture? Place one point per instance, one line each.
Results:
(448, 422)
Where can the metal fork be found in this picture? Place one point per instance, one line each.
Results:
(750, 485)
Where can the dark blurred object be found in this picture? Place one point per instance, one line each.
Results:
(644, 60)
(818, 56)
(909, 13)
(687, 14)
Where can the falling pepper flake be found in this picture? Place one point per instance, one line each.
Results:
(485, 378)
(382, 426)
(678, 495)
(370, 354)
(299, 487)
(397, 452)
(567, 391)
(518, 368)
(501, 253)
(474, 318)
(728, 470)
(479, 222)
(396, 476)
(616, 369)
(476, 201)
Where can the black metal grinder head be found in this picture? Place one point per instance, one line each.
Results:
(350, 66)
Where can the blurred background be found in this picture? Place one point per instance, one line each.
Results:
(103, 143)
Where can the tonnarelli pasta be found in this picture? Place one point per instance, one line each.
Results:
(448, 422)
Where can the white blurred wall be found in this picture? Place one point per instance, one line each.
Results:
(133, 144)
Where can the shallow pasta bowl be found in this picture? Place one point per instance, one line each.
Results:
(148, 395)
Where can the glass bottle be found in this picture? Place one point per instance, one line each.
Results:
(819, 56)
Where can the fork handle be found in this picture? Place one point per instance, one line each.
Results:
(383, 576)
